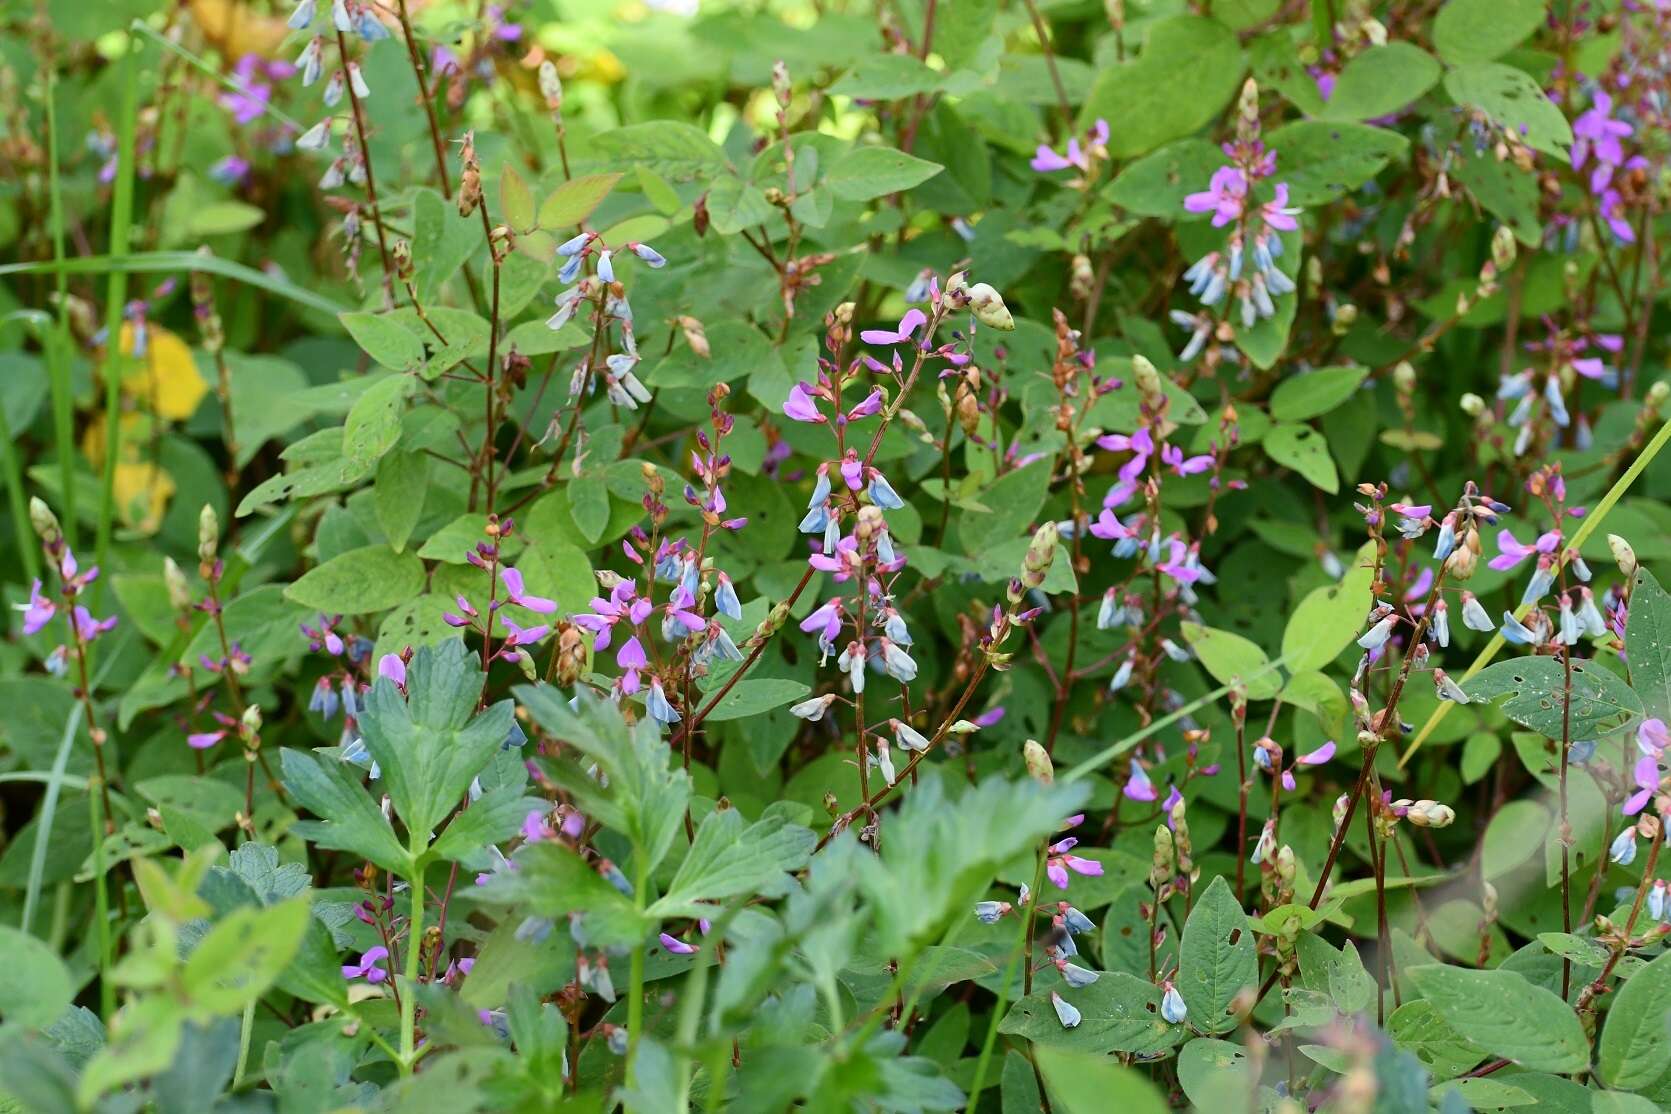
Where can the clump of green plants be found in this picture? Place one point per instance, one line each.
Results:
(910, 556)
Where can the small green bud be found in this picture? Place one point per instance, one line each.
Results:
(45, 522)
(1039, 766)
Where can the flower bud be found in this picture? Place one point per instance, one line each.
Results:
(1039, 766)
(1472, 404)
(1146, 377)
(1502, 247)
(208, 534)
(1161, 865)
(1657, 394)
(179, 591)
(551, 86)
(1041, 554)
(45, 522)
(989, 309)
(1622, 553)
(252, 720)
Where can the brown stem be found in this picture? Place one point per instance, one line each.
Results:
(371, 180)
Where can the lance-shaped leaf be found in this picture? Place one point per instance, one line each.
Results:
(428, 745)
(728, 859)
(349, 820)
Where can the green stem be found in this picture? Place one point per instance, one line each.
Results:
(101, 907)
(243, 1045)
(57, 348)
(121, 221)
(1020, 956)
(409, 992)
(635, 996)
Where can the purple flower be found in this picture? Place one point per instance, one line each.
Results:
(390, 666)
(1512, 552)
(1316, 758)
(1173, 457)
(1652, 737)
(249, 100)
(1138, 787)
(515, 592)
(676, 946)
(909, 324)
(38, 612)
(1645, 775)
(1277, 213)
(799, 404)
(230, 171)
(367, 968)
(1595, 131)
(522, 636)
(203, 740)
(1225, 196)
(1046, 161)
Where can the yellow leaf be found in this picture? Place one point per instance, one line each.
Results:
(166, 379)
(236, 30)
(142, 494)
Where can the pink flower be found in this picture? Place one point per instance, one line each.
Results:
(367, 968)
(1138, 787)
(203, 740)
(909, 324)
(390, 666)
(1596, 131)
(1316, 758)
(1646, 776)
(1277, 214)
(799, 404)
(1046, 161)
(515, 592)
(1225, 196)
(1174, 458)
(676, 946)
(1512, 552)
(1652, 737)
(38, 612)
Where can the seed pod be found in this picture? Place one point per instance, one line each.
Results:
(1622, 553)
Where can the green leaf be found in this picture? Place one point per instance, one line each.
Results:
(1217, 961)
(1156, 184)
(729, 859)
(865, 173)
(242, 956)
(1380, 81)
(1304, 450)
(552, 881)
(398, 495)
(1507, 1016)
(1515, 103)
(1328, 619)
(37, 989)
(372, 578)
(754, 695)
(1315, 392)
(1089, 1084)
(516, 200)
(1648, 645)
(1515, 835)
(1636, 1042)
(373, 425)
(349, 820)
(1503, 189)
(1324, 161)
(1228, 656)
(1534, 687)
(734, 205)
(886, 77)
(431, 745)
(677, 151)
(589, 504)
(388, 342)
(1215, 1074)
(1481, 30)
(1419, 1029)
(1119, 1013)
(492, 818)
(441, 241)
(575, 200)
(1188, 70)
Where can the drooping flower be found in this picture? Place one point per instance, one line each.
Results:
(908, 325)
(367, 968)
(516, 592)
(1645, 776)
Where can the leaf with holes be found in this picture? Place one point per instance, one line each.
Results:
(1506, 1015)
(1514, 101)
(1304, 450)
(1217, 961)
(1601, 702)
(1118, 1013)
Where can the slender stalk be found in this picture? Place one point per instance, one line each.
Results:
(635, 996)
(414, 952)
(1023, 955)
(101, 907)
(371, 180)
(56, 348)
(116, 296)
(421, 73)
